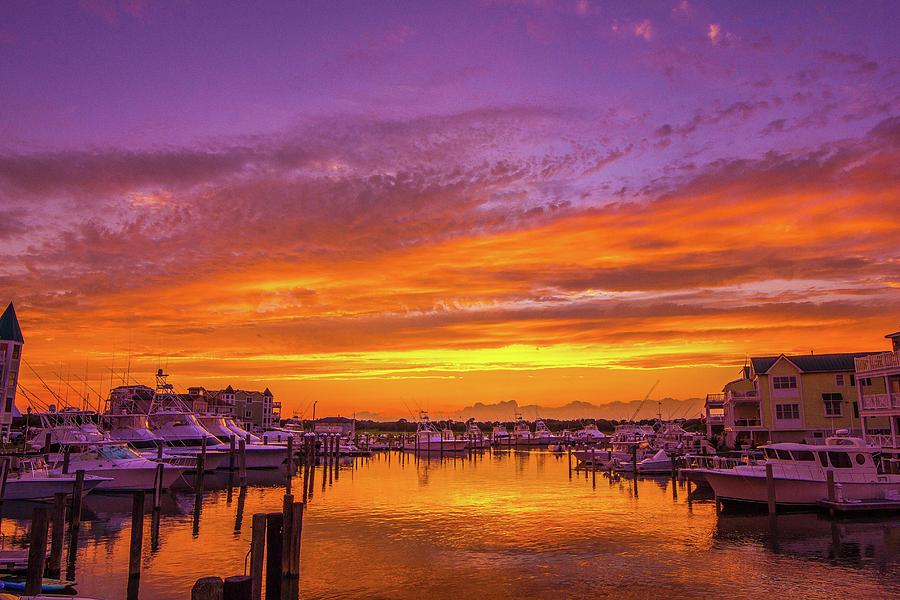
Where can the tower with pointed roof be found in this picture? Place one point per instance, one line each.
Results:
(11, 342)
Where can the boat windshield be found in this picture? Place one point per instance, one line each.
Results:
(117, 452)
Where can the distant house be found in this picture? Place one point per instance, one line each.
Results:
(256, 410)
(339, 425)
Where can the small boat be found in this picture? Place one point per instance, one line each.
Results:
(16, 583)
(658, 463)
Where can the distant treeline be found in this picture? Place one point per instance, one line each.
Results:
(555, 425)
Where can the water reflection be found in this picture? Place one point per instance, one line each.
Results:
(488, 525)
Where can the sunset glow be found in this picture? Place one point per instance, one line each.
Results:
(433, 205)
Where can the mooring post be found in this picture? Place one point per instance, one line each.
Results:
(593, 468)
(207, 588)
(4, 475)
(198, 475)
(829, 479)
(242, 462)
(287, 524)
(296, 536)
(231, 458)
(257, 554)
(634, 469)
(770, 488)
(159, 452)
(237, 587)
(77, 493)
(290, 456)
(57, 534)
(37, 551)
(47, 443)
(137, 538)
(273, 555)
(158, 487)
(570, 461)
(67, 457)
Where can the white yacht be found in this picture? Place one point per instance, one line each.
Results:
(429, 440)
(499, 435)
(800, 474)
(542, 435)
(590, 434)
(475, 436)
(521, 434)
(258, 456)
(31, 479)
(124, 469)
(659, 463)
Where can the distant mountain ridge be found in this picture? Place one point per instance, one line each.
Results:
(670, 408)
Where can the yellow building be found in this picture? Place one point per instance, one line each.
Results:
(794, 399)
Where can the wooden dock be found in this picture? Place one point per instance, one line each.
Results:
(836, 508)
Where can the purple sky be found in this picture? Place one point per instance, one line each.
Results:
(496, 195)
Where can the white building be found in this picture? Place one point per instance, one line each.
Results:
(880, 411)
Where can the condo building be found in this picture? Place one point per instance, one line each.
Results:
(878, 389)
(11, 342)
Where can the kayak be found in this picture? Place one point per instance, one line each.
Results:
(47, 585)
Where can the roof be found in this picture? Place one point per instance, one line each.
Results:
(229, 390)
(266, 392)
(334, 420)
(891, 336)
(811, 363)
(9, 326)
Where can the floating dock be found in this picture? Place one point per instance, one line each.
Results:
(836, 508)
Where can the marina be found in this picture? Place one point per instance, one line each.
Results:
(489, 523)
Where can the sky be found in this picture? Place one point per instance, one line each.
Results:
(385, 207)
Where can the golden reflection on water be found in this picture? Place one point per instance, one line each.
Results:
(495, 526)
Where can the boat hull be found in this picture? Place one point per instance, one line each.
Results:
(741, 487)
(136, 479)
(45, 489)
(437, 447)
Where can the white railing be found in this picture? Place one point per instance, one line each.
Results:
(717, 419)
(748, 396)
(883, 441)
(877, 362)
(880, 402)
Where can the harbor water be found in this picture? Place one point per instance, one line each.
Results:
(496, 525)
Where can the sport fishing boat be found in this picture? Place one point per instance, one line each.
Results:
(31, 479)
(542, 435)
(258, 456)
(429, 440)
(475, 436)
(589, 434)
(499, 435)
(521, 434)
(68, 426)
(800, 474)
(123, 468)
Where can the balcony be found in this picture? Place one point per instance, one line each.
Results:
(880, 403)
(748, 396)
(716, 419)
(875, 364)
(883, 441)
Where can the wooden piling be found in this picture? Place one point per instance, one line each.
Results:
(296, 536)
(4, 475)
(287, 524)
(158, 486)
(257, 554)
(290, 456)
(198, 475)
(770, 488)
(237, 587)
(208, 588)
(77, 493)
(57, 534)
(37, 551)
(46, 443)
(232, 463)
(593, 468)
(242, 462)
(159, 452)
(829, 479)
(634, 470)
(67, 457)
(137, 537)
(274, 523)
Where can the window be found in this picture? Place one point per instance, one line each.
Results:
(8, 407)
(787, 411)
(860, 459)
(856, 410)
(248, 413)
(12, 378)
(833, 404)
(840, 460)
(865, 381)
(823, 458)
(770, 453)
(786, 382)
(16, 350)
(853, 379)
(839, 380)
(783, 454)
(803, 455)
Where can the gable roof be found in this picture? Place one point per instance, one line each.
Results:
(811, 363)
(9, 326)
